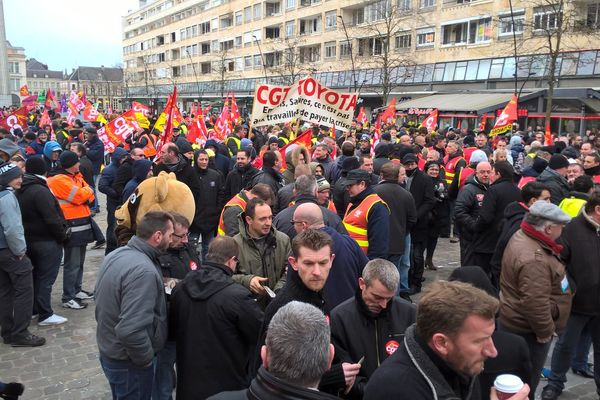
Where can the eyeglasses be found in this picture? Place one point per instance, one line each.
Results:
(296, 222)
(234, 258)
(185, 235)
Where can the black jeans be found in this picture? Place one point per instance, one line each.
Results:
(418, 263)
(432, 241)
(45, 257)
(16, 295)
(111, 222)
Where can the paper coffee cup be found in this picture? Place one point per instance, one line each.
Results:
(507, 385)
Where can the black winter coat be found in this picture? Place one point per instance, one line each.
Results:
(272, 178)
(357, 332)
(403, 213)
(468, 203)
(95, 152)
(241, 178)
(215, 323)
(177, 263)
(581, 252)
(43, 218)
(439, 217)
(498, 196)
(123, 175)
(212, 198)
(87, 170)
(421, 189)
(513, 216)
(558, 185)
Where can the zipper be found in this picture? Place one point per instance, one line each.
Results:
(377, 343)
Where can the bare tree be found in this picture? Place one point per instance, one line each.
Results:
(557, 25)
(286, 61)
(220, 68)
(378, 41)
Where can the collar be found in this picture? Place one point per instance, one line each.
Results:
(361, 196)
(589, 219)
(540, 237)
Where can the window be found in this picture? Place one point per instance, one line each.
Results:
(239, 18)
(13, 67)
(273, 9)
(289, 28)
(309, 26)
(273, 59)
(376, 11)
(330, 20)
(238, 41)
(425, 37)
(546, 18)
(226, 21)
(248, 62)
(593, 16)
(454, 34)
(205, 47)
(345, 49)
(248, 14)
(330, 49)
(248, 39)
(403, 5)
(310, 53)
(427, 3)
(257, 61)
(370, 46)
(403, 41)
(290, 4)
(272, 32)
(506, 26)
(480, 31)
(257, 11)
(214, 23)
(15, 84)
(204, 27)
(205, 68)
(358, 16)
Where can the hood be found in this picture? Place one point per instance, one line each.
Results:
(140, 169)
(476, 277)
(183, 145)
(383, 150)
(9, 147)
(550, 175)
(118, 155)
(593, 171)
(515, 209)
(32, 180)
(209, 279)
(51, 146)
(289, 162)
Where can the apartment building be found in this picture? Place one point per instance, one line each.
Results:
(40, 77)
(209, 47)
(16, 70)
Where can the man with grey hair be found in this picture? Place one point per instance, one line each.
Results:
(535, 292)
(372, 323)
(305, 191)
(297, 352)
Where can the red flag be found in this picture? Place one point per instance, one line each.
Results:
(304, 139)
(30, 102)
(504, 122)
(431, 121)
(362, 117)
(482, 123)
(222, 127)
(197, 132)
(51, 102)
(548, 135)
(90, 113)
(24, 91)
(15, 120)
(390, 111)
(167, 134)
(235, 112)
(140, 108)
(334, 150)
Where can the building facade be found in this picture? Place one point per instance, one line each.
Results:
(17, 66)
(39, 77)
(208, 48)
(102, 85)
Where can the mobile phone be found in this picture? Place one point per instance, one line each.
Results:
(362, 359)
(270, 292)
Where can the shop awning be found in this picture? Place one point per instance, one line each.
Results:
(593, 104)
(465, 102)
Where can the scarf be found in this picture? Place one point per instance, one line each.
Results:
(534, 233)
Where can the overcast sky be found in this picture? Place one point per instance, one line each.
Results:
(66, 34)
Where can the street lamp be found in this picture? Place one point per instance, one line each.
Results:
(262, 57)
(523, 85)
(351, 52)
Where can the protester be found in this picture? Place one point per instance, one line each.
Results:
(131, 310)
(439, 217)
(113, 197)
(215, 323)
(229, 223)
(555, 177)
(141, 170)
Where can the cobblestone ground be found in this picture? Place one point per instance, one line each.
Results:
(67, 366)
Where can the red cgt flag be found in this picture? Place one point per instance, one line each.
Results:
(362, 117)
(235, 112)
(504, 122)
(197, 132)
(390, 111)
(305, 139)
(15, 120)
(431, 121)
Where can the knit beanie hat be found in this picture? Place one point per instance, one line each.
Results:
(35, 166)
(558, 161)
(8, 172)
(68, 159)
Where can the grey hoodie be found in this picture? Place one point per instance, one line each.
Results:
(130, 304)
(12, 234)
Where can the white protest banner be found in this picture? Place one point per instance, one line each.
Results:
(306, 99)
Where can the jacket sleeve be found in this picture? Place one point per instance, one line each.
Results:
(53, 219)
(12, 227)
(221, 200)
(249, 317)
(487, 212)
(231, 220)
(378, 230)
(105, 184)
(122, 176)
(287, 249)
(65, 189)
(95, 152)
(411, 212)
(462, 210)
(139, 295)
(535, 286)
(428, 199)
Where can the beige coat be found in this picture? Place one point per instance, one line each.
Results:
(535, 296)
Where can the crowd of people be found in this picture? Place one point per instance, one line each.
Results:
(294, 277)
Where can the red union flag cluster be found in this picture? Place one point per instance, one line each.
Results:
(431, 121)
(306, 99)
(509, 115)
(118, 130)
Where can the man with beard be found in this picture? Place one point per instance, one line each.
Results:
(131, 310)
(444, 351)
(243, 175)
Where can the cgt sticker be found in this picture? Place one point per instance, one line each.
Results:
(391, 347)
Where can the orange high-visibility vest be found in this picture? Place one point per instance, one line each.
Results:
(73, 195)
(356, 220)
(330, 206)
(149, 149)
(450, 169)
(236, 201)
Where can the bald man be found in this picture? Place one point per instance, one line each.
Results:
(468, 204)
(349, 260)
